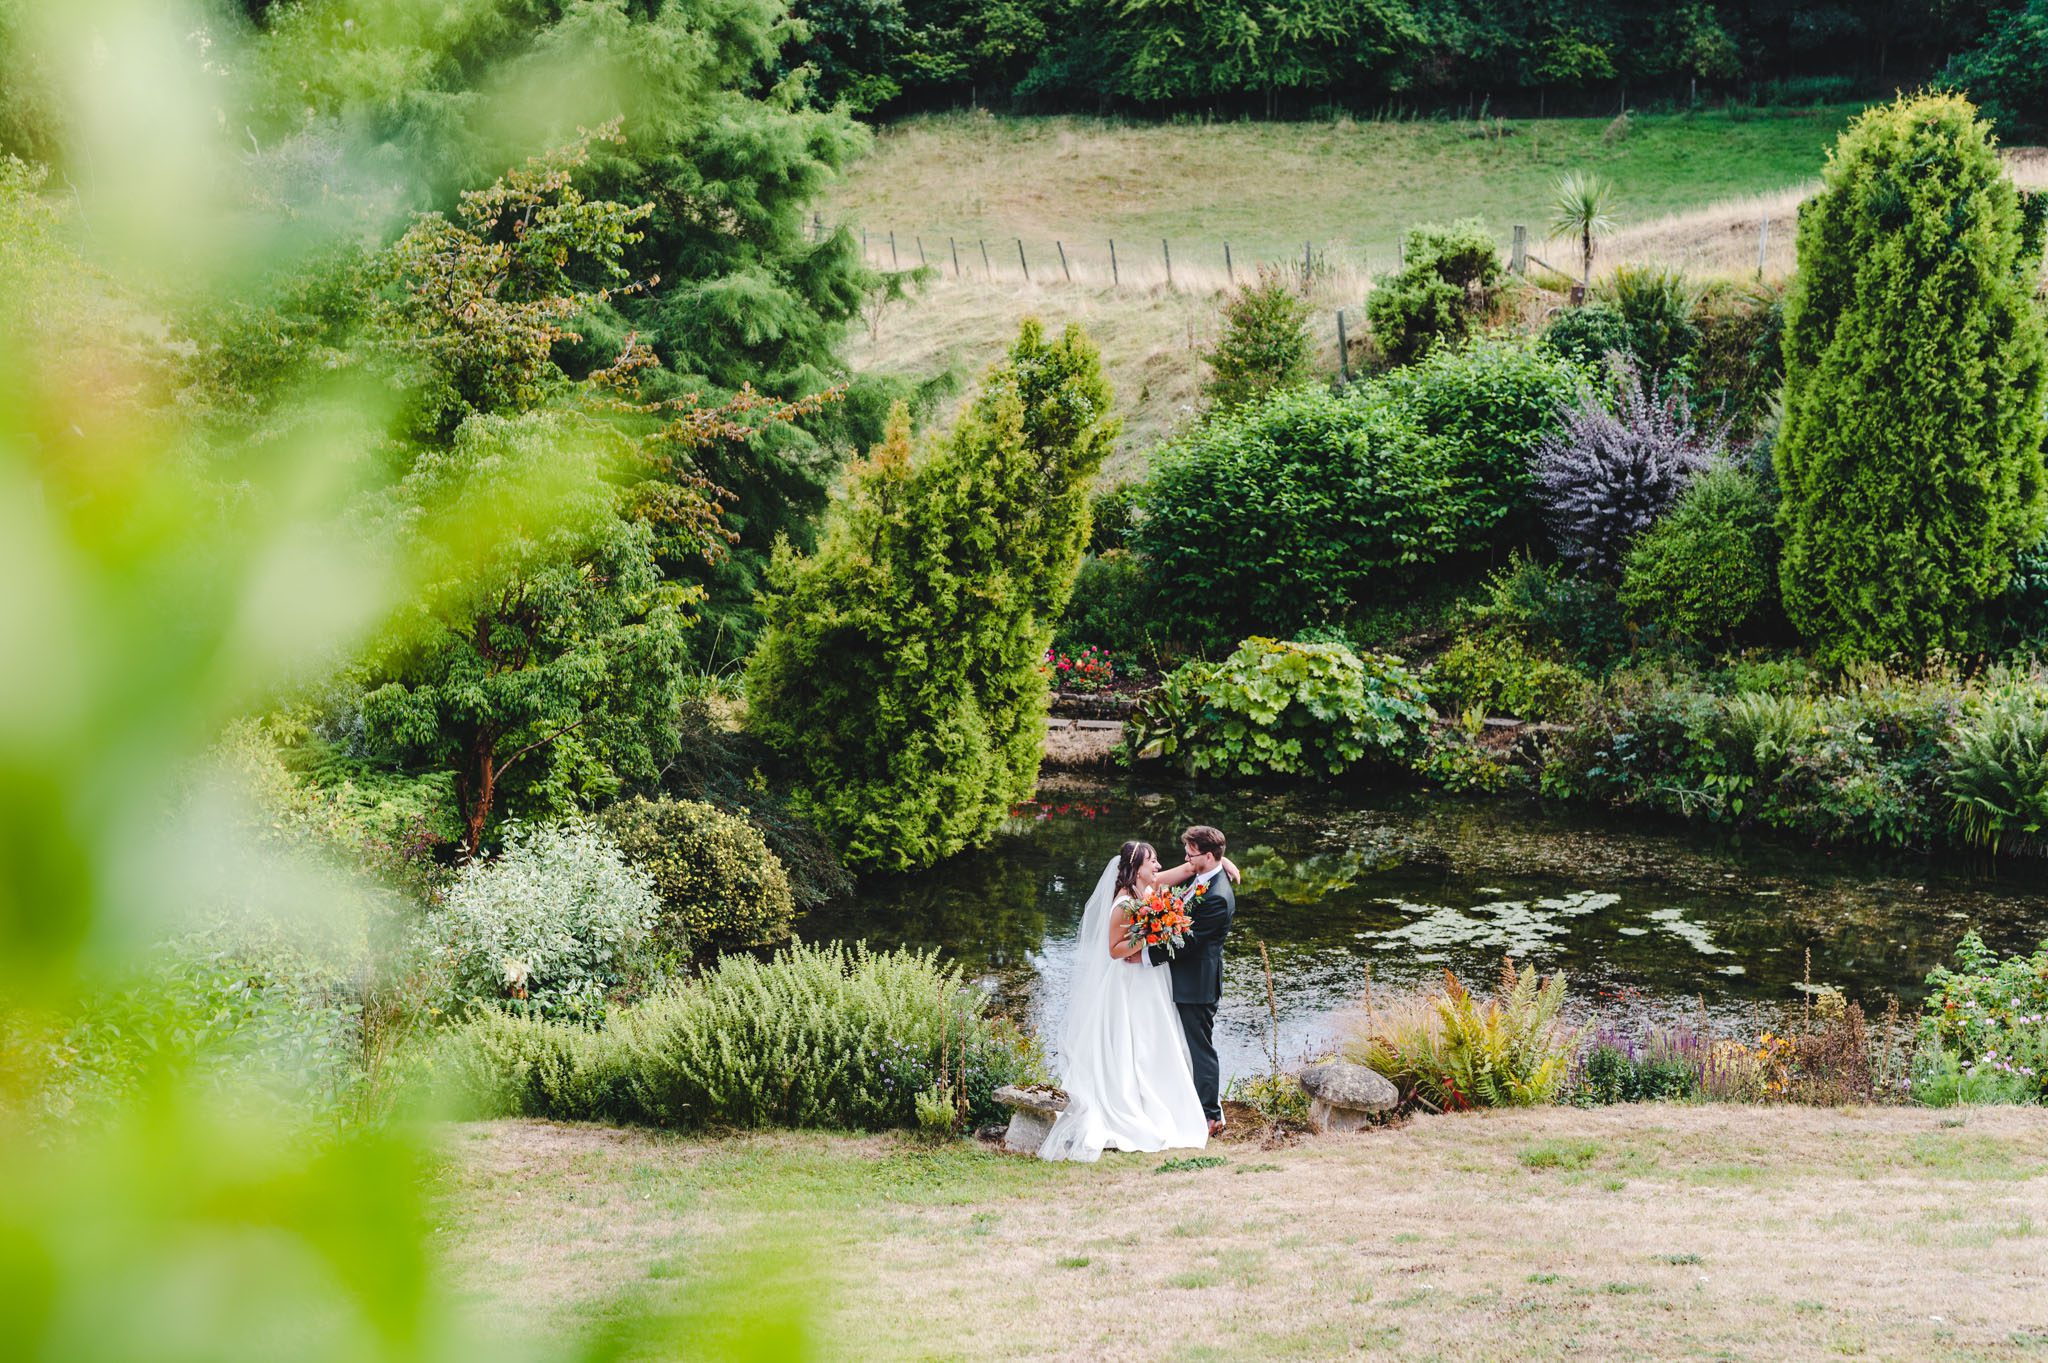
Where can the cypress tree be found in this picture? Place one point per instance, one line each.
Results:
(1911, 451)
(900, 672)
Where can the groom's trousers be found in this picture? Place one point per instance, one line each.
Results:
(1198, 1021)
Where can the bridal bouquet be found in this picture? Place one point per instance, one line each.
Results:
(1160, 919)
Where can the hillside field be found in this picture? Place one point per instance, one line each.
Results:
(1695, 190)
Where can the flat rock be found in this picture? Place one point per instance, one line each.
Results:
(1346, 1095)
(1037, 1097)
(1033, 1110)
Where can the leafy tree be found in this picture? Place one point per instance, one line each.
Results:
(1910, 455)
(1264, 346)
(544, 650)
(735, 287)
(899, 675)
(2006, 73)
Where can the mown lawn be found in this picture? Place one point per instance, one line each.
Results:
(1633, 1233)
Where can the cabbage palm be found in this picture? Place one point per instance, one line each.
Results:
(1583, 208)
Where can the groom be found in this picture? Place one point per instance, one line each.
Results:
(1198, 968)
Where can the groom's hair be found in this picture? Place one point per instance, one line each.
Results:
(1204, 839)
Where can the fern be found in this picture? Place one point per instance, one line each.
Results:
(1454, 1052)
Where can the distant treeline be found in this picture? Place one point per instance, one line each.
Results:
(1291, 58)
(1288, 57)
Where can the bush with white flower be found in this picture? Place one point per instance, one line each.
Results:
(554, 921)
(1984, 1026)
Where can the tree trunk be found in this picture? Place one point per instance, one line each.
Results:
(479, 788)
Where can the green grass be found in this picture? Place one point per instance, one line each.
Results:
(1358, 185)
(1560, 1155)
(1689, 186)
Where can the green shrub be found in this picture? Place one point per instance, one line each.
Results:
(1305, 507)
(815, 1037)
(1482, 411)
(1616, 1073)
(720, 887)
(555, 920)
(1910, 454)
(1739, 362)
(1285, 709)
(1997, 777)
(1116, 608)
(1703, 571)
(1554, 612)
(1656, 307)
(1447, 280)
(1292, 512)
(1113, 517)
(1279, 1098)
(898, 678)
(1589, 334)
(1454, 1052)
(1264, 346)
(1990, 1017)
(246, 1022)
(1457, 758)
(1498, 675)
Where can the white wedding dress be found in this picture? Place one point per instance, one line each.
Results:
(1123, 1059)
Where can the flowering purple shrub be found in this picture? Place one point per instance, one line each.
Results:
(1606, 475)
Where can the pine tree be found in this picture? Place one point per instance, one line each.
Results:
(899, 674)
(1911, 453)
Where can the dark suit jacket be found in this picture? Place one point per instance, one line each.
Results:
(1198, 967)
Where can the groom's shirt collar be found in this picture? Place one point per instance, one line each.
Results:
(1202, 880)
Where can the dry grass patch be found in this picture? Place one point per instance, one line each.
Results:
(1626, 1233)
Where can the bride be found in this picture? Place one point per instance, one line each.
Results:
(1123, 1058)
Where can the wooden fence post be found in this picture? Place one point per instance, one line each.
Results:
(1343, 348)
(954, 247)
(1023, 262)
(1307, 264)
(1114, 280)
(987, 270)
(1763, 241)
(1229, 271)
(894, 262)
(1166, 249)
(1519, 260)
(1061, 247)
(921, 261)
(864, 246)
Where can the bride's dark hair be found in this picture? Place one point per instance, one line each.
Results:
(1127, 863)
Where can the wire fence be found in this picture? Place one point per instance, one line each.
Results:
(1335, 276)
(1195, 265)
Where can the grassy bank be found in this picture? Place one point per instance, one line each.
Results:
(1693, 188)
(1624, 1233)
(1268, 187)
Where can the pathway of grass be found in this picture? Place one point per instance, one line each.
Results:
(1633, 1233)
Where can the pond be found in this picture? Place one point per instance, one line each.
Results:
(1650, 920)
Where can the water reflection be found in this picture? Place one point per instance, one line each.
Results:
(1406, 886)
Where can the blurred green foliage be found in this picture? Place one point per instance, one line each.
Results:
(189, 1166)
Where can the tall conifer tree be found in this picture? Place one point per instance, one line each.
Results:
(1911, 452)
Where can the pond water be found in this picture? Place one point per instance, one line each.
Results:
(1649, 920)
